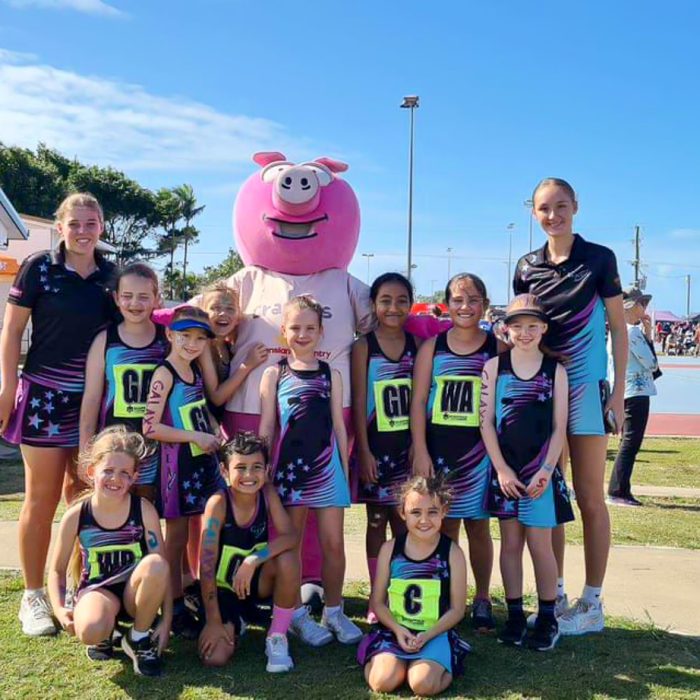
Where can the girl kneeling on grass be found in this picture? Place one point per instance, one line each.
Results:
(238, 565)
(523, 423)
(419, 596)
(116, 544)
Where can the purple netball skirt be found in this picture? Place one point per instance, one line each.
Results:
(44, 416)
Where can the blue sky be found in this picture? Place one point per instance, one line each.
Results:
(602, 94)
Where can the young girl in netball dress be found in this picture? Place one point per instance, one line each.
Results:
(524, 413)
(311, 457)
(382, 371)
(419, 597)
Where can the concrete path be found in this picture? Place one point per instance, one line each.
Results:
(657, 585)
(647, 584)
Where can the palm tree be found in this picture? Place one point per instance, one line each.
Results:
(188, 211)
(168, 208)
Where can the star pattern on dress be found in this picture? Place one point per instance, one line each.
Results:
(53, 429)
(35, 421)
(189, 498)
(48, 395)
(48, 407)
(282, 490)
(186, 484)
(35, 403)
(43, 267)
(295, 496)
(64, 399)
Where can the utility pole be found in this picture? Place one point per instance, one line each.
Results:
(636, 263)
(687, 296)
(449, 264)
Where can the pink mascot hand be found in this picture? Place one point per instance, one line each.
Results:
(425, 326)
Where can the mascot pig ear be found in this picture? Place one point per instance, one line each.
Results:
(335, 166)
(264, 158)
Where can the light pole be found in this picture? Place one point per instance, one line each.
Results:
(687, 296)
(410, 102)
(432, 288)
(509, 228)
(368, 256)
(529, 204)
(449, 264)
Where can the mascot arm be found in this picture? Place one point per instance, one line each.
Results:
(426, 326)
(361, 305)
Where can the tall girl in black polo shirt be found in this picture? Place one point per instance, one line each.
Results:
(64, 292)
(578, 285)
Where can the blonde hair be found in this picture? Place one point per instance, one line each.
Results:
(302, 303)
(220, 287)
(115, 439)
(79, 199)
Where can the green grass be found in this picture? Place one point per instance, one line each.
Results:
(626, 661)
(663, 462)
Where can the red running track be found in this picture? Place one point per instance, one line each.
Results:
(676, 424)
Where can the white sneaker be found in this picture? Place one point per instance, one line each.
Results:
(344, 629)
(308, 630)
(581, 618)
(561, 605)
(35, 615)
(277, 652)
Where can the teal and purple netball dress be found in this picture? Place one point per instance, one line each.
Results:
(109, 555)
(188, 475)
(128, 373)
(573, 295)
(389, 385)
(418, 596)
(524, 424)
(308, 468)
(236, 542)
(453, 434)
(67, 312)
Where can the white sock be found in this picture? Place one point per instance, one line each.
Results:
(332, 610)
(31, 592)
(560, 588)
(591, 594)
(138, 636)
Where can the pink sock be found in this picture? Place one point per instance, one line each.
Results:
(372, 566)
(281, 619)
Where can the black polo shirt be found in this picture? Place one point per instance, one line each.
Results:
(67, 313)
(572, 294)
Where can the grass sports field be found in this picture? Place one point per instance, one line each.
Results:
(628, 660)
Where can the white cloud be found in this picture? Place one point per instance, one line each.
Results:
(91, 7)
(685, 234)
(109, 122)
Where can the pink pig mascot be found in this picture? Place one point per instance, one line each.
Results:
(296, 229)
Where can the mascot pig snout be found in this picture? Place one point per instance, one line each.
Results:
(296, 219)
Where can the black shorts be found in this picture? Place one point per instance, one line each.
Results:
(232, 609)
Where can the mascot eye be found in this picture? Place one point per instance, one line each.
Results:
(323, 174)
(271, 172)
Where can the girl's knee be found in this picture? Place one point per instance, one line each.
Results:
(287, 564)
(94, 631)
(154, 566)
(383, 677)
(428, 684)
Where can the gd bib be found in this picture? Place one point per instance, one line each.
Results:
(456, 401)
(194, 417)
(131, 384)
(392, 400)
(415, 603)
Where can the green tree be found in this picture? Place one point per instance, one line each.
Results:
(169, 213)
(35, 183)
(131, 215)
(231, 264)
(188, 211)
